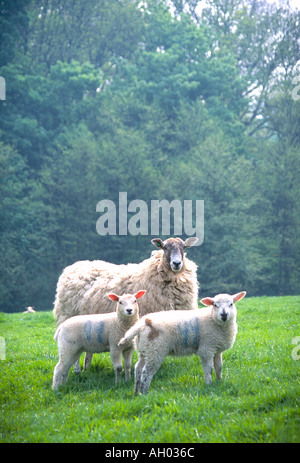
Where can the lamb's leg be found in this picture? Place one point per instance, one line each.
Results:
(207, 364)
(127, 355)
(87, 360)
(218, 365)
(77, 367)
(137, 374)
(148, 371)
(63, 367)
(146, 378)
(60, 375)
(116, 358)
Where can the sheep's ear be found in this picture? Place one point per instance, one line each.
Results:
(158, 243)
(139, 294)
(239, 296)
(113, 297)
(207, 301)
(191, 241)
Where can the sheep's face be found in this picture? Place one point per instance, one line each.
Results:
(127, 306)
(223, 305)
(174, 251)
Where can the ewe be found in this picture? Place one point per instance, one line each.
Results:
(207, 332)
(169, 278)
(97, 333)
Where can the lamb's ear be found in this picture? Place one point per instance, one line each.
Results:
(239, 296)
(113, 297)
(207, 301)
(139, 294)
(158, 243)
(191, 241)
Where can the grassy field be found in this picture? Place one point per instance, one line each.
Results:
(258, 399)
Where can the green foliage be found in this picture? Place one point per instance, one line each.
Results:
(40, 107)
(14, 22)
(161, 101)
(256, 401)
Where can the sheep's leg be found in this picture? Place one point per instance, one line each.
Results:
(77, 367)
(127, 355)
(61, 370)
(137, 374)
(60, 375)
(146, 378)
(116, 358)
(207, 364)
(218, 365)
(87, 360)
(148, 371)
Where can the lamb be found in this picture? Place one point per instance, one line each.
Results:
(168, 276)
(29, 310)
(207, 332)
(97, 333)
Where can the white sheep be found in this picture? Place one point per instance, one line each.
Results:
(97, 333)
(169, 278)
(29, 310)
(207, 332)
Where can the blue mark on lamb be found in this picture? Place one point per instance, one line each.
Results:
(87, 328)
(99, 330)
(189, 331)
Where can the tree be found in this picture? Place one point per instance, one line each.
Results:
(40, 107)
(265, 41)
(93, 30)
(24, 236)
(161, 100)
(14, 28)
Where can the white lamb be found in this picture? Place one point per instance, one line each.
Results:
(97, 333)
(169, 278)
(207, 332)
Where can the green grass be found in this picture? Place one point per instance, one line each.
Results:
(257, 400)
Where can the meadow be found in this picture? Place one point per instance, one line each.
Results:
(258, 399)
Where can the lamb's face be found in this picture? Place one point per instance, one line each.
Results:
(127, 305)
(223, 305)
(174, 251)
(224, 308)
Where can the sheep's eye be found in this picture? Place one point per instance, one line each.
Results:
(216, 305)
(121, 302)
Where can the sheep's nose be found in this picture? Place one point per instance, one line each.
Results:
(224, 316)
(176, 263)
(129, 311)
